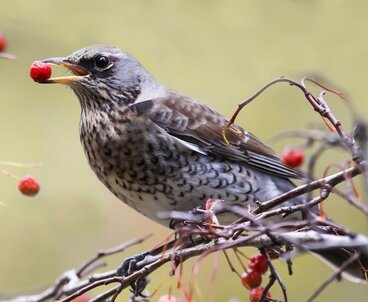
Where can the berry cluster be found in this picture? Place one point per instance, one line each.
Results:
(252, 278)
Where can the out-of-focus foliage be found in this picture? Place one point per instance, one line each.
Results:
(218, 51)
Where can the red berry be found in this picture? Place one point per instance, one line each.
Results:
(40, 71)
(167, 298)
(293, 157)
(258, 263)
(251, 279)
(29, 186)
(2, 43)
(256, 294)
(82, 298)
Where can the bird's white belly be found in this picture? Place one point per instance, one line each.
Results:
(147, 204)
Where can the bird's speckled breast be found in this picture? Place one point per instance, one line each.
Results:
(150, 171)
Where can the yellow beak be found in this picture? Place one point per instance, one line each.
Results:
(78, 71)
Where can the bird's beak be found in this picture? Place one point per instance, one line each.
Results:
(78, 71)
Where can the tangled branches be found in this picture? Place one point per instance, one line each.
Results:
(200, 233)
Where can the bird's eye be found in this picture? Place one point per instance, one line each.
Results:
(102, 62)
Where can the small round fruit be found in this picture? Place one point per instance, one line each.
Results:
(29, 186)
(258, 263)
(2, 42)
(251, 279)
(168, 298)
(256, 294)
(292, 157)
(40, 71)
(82, 298)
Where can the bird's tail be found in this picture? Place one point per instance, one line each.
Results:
(350, 260)
(350, 263)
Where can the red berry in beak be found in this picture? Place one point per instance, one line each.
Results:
(40, 72)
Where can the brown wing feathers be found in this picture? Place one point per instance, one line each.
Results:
(193, 122)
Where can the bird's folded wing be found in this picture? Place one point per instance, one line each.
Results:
(200, 128)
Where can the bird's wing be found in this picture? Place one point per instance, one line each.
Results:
(200, 128)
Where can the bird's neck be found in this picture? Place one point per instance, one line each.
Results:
(151, 89)
(105, 99)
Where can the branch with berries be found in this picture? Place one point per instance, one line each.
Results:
(3, 47)
(78, 282)
(199, 233)
(27, 185)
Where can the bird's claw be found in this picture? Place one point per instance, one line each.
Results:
(129, 265)
(138, 286)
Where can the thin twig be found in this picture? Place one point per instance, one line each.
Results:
(275, 274)
(8, 56)
(201, 237)
(331, 180)
(117, 249)
(334, 276)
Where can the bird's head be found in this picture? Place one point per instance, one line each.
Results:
(103, 76)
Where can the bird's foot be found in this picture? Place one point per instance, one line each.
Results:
(129, 265)
(138, 286)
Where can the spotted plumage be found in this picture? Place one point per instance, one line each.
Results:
(158, 150)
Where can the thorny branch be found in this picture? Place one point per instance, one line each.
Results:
(199, 233)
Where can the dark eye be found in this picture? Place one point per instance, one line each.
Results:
(101, 62)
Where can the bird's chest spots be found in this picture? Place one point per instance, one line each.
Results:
(127, 154)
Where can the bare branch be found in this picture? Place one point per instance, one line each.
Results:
(199, 232)
(334, 276)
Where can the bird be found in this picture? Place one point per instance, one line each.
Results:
(159, 150)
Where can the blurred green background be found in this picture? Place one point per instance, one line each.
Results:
(217, 51)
